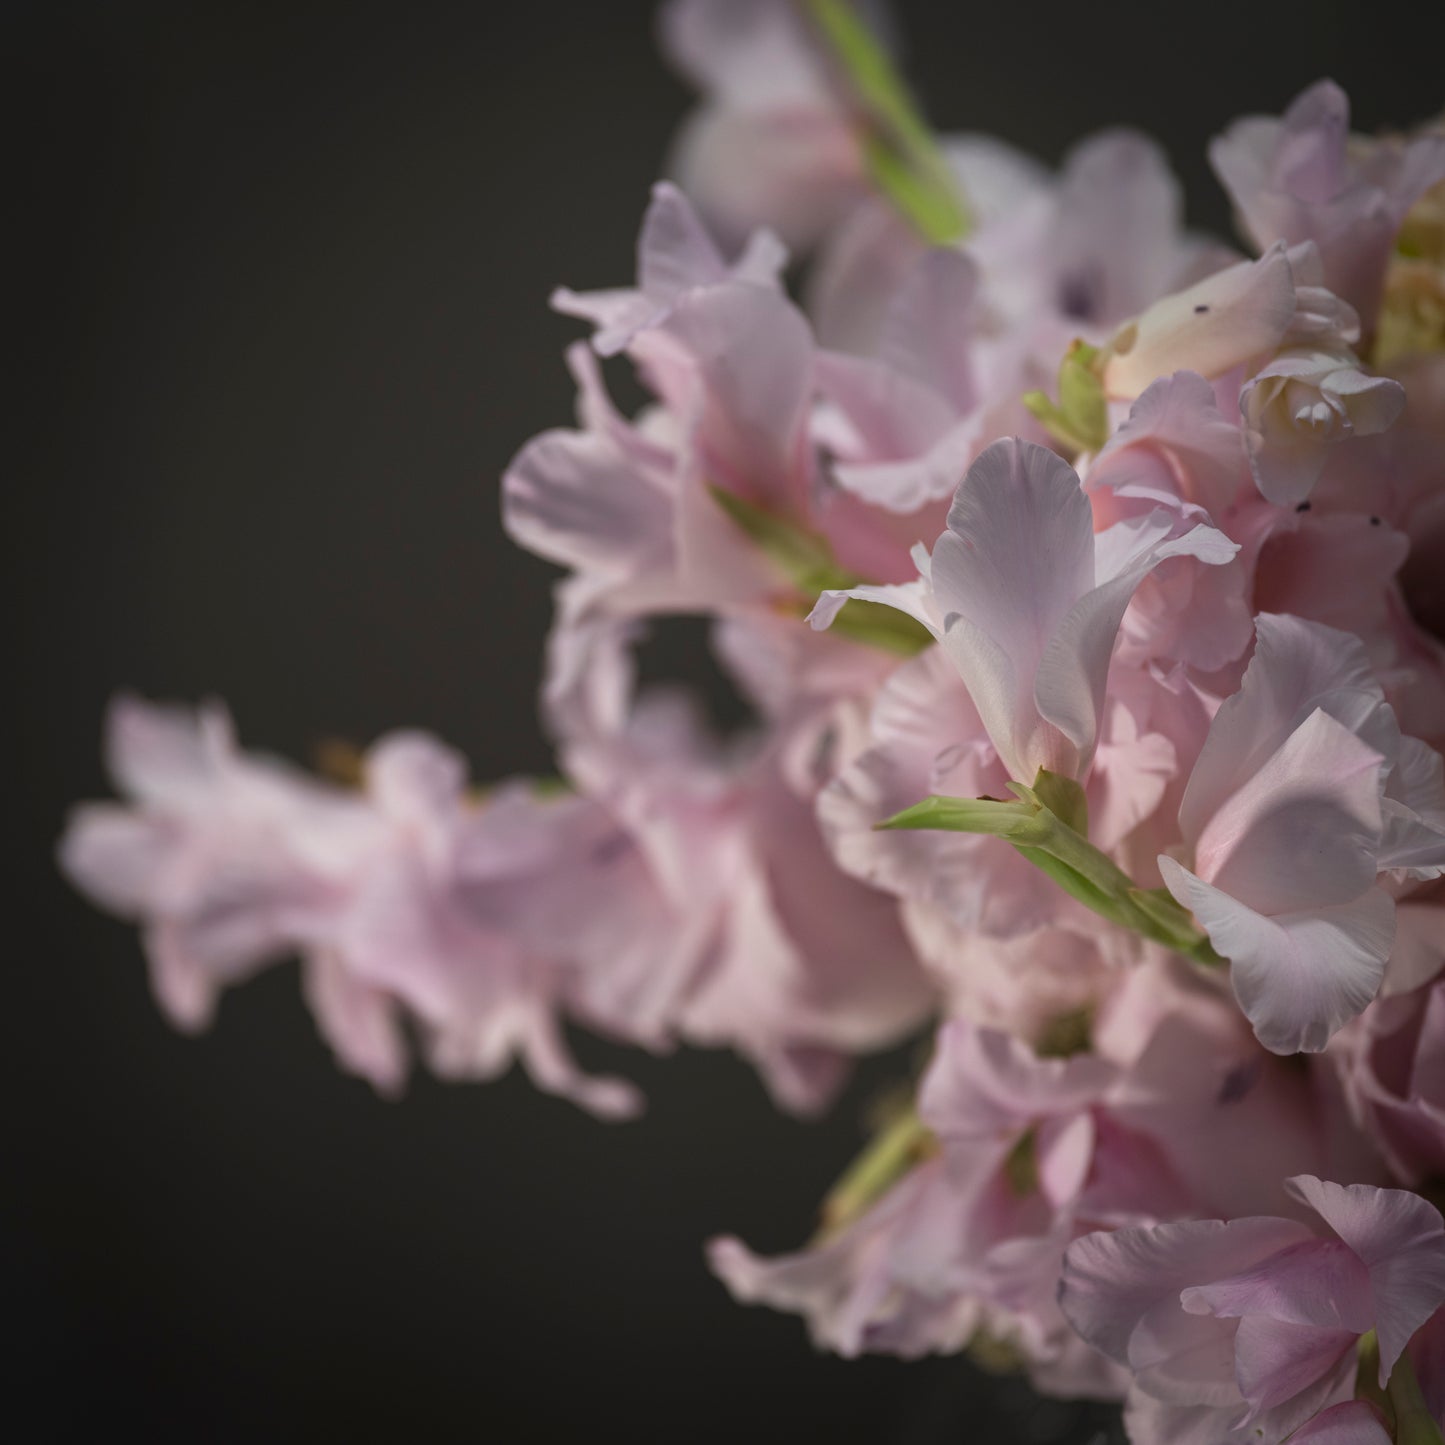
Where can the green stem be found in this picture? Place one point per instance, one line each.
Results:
(890, 1155)
(806, 561)
(1414, 1424)
(1066, 855)
(901, 153)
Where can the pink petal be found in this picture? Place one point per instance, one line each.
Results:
(1111, 1281)
(1352, 1422)
(359, 1022)
(1298, 977)
(166, 757)
(1400, 1238)
(1177, 419)
(1304, 831)
(1321, 1283)
(1017, 555)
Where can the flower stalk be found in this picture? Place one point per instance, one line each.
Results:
(1048, 825)
(901, 154)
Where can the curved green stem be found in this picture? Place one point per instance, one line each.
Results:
(1059, 847)
(899, 149)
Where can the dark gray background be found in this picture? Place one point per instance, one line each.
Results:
(279, 321)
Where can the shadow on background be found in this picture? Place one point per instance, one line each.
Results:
(282, 326)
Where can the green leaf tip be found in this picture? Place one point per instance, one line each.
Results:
(807, 563)
(803, 557)
(1049, 826)
(1080, 418)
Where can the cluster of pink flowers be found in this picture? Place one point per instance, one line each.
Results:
(1099, 562)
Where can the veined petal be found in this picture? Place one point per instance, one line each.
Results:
(1304, 830)
(1298, 976)
(1112, 1280)
(1321, 1283)
(1275, 1361)
(1073, 672)
(1400, 1239)
(1017, 555)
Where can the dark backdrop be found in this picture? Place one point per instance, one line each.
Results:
(281, 322)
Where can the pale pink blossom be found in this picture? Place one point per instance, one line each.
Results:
(1229, 319)
(1175, 440)
(1032, 1152)
(1026, 600)
(968, 1240)
(1255, 1320)
(1175, 450)
(1304, 177)
(405, 900)
(228, 861)
(799, 965)
(675, 257)
(632, 506)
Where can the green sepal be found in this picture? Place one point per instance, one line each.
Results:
(1012, 821)
(881, 626)
(1175, 924)
(803, 557)
(1080, 419)
(889, 1155)
(1064, 798)
(1078, 885)
(807, 563)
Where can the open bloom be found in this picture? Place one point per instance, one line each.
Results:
(1252, 1323)
(405, 900)
(1304, 177)
(1032, 1152)
(1026, 600)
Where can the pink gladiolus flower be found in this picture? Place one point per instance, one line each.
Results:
(405, 900)
(1255, 1320)
(1033, 1152)
(1304, 177)
(1216, 610)
(1026, 600)
(227, 860)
